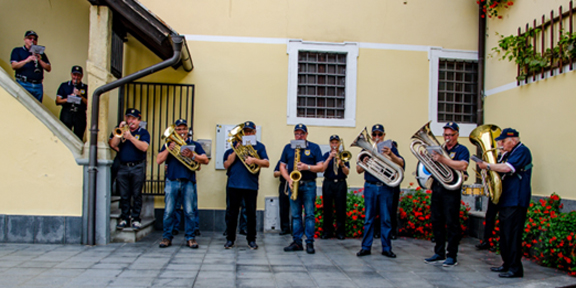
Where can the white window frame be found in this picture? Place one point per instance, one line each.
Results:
(434, 56)
(351, 50)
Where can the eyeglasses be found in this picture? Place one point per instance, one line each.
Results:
(449, 135)
(181, 129)
(299, 134)
(377, 134)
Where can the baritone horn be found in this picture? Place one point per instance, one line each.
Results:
(377, 164)
(241, 151)
(449, 178)
(484, 137)
(170, 135)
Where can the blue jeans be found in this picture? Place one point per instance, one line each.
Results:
(377, 197)
(306, 198)
(37, 90)
(177, 217)
(172, 191)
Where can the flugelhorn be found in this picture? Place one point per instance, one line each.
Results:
(484, 137)
(377, 164)
(170, 135)
(449, 178)
(241, 151)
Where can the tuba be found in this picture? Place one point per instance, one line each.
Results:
(378, 165)
(483, 137)
(295, 175)
(170, 135)
(449, 178)
(243, 152)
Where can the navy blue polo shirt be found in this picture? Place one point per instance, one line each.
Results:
(516, 185)
(458, 153)
(277, 168)
(21, 53)
(128, 152)
(177, 170)
(370, 178)
(311, 155)
(329, 173)
(238, 175)
(67, 88)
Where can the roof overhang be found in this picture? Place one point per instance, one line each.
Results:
(147, 28)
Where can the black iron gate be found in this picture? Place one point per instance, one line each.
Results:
(161, 104)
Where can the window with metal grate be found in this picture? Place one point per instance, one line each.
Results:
(457, 85)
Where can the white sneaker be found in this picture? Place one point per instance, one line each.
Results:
(136, 225)
(121, 225)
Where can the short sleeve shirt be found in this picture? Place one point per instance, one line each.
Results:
(458, 153)
(128, 152)
(21, 53)
(67, 88)
(311, 155)
(516, 185)
(238, 175)
(329, 173)
(177, 170)
(277, 168)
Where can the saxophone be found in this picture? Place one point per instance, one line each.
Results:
(295, 175)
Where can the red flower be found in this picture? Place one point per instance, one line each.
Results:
(418, 188)
(510, 3)
(543, 202)
(555, 197)
(569, 238)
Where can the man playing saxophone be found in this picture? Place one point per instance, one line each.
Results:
(310, 163)
(334, 190)
(515, 167)
(378, 196)
(243, 186)
(445, 204)
(180, 182)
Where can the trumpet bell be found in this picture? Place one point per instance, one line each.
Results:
(345, 156)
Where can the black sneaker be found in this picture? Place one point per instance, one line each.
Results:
(363, 252)
(310, 248)
(252, 245)
(229, 244)
(434, 259)
(293, 247)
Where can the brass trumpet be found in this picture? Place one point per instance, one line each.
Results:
(343, 156)
(119, 131)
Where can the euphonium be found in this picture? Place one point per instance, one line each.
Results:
(343, 156)
(119, 132)
(243, 152)
(484, 137)
(449, 178)
(170, 135)
(378, 165)
(295, 175)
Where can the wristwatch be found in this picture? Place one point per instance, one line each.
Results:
(488, 167)
(308, 167)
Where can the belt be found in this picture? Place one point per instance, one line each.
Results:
(131, 164)
(306, 181)
(182, 180)
(334, 180)
(25, 79)
(375, 183)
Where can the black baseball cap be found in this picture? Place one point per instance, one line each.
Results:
(30, 33)
(77, 69)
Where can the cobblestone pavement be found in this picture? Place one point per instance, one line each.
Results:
(335, 264)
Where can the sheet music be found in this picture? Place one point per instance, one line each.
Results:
(249, 140)
(432, 149)
(37, 49)
(298, 144)
(73, 99)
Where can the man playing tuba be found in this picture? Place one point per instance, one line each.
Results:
(378, 196)
(310, 163)
(180, 182)
(445, 204)
(243, 185)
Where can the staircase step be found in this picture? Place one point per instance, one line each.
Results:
(114, 203)
(131, 235)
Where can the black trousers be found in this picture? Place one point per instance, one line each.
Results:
(334, 198)
(130, 181)
(490, 220)
(445, 218)
(512, 220)
(75, 121)
(284, 203)
(243, 217)
(236, 196)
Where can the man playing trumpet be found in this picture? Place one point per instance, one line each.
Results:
(378, 196)
(180, 183)
(334, 190)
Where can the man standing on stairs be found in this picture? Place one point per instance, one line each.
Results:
(131, 147)
(180, 183)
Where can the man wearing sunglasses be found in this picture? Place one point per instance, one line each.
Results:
(445, 204)
(378, 197)
(29, 67)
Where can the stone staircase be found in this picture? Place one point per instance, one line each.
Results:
(129, 234)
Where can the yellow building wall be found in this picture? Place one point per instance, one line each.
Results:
(39, 175)
(62, 27)
(541, 111)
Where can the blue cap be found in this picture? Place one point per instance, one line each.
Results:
(334, 137)
(453, 126)
(249, 125)
(301, 127)
(378, 127)
(180, 122)
(132, 112)
(77, 69)
(506, 133)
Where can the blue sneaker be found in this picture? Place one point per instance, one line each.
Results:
(450, 262)
(434, 259)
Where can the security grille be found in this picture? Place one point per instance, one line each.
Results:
(457, 84)
(161, 105)
(321, 85)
